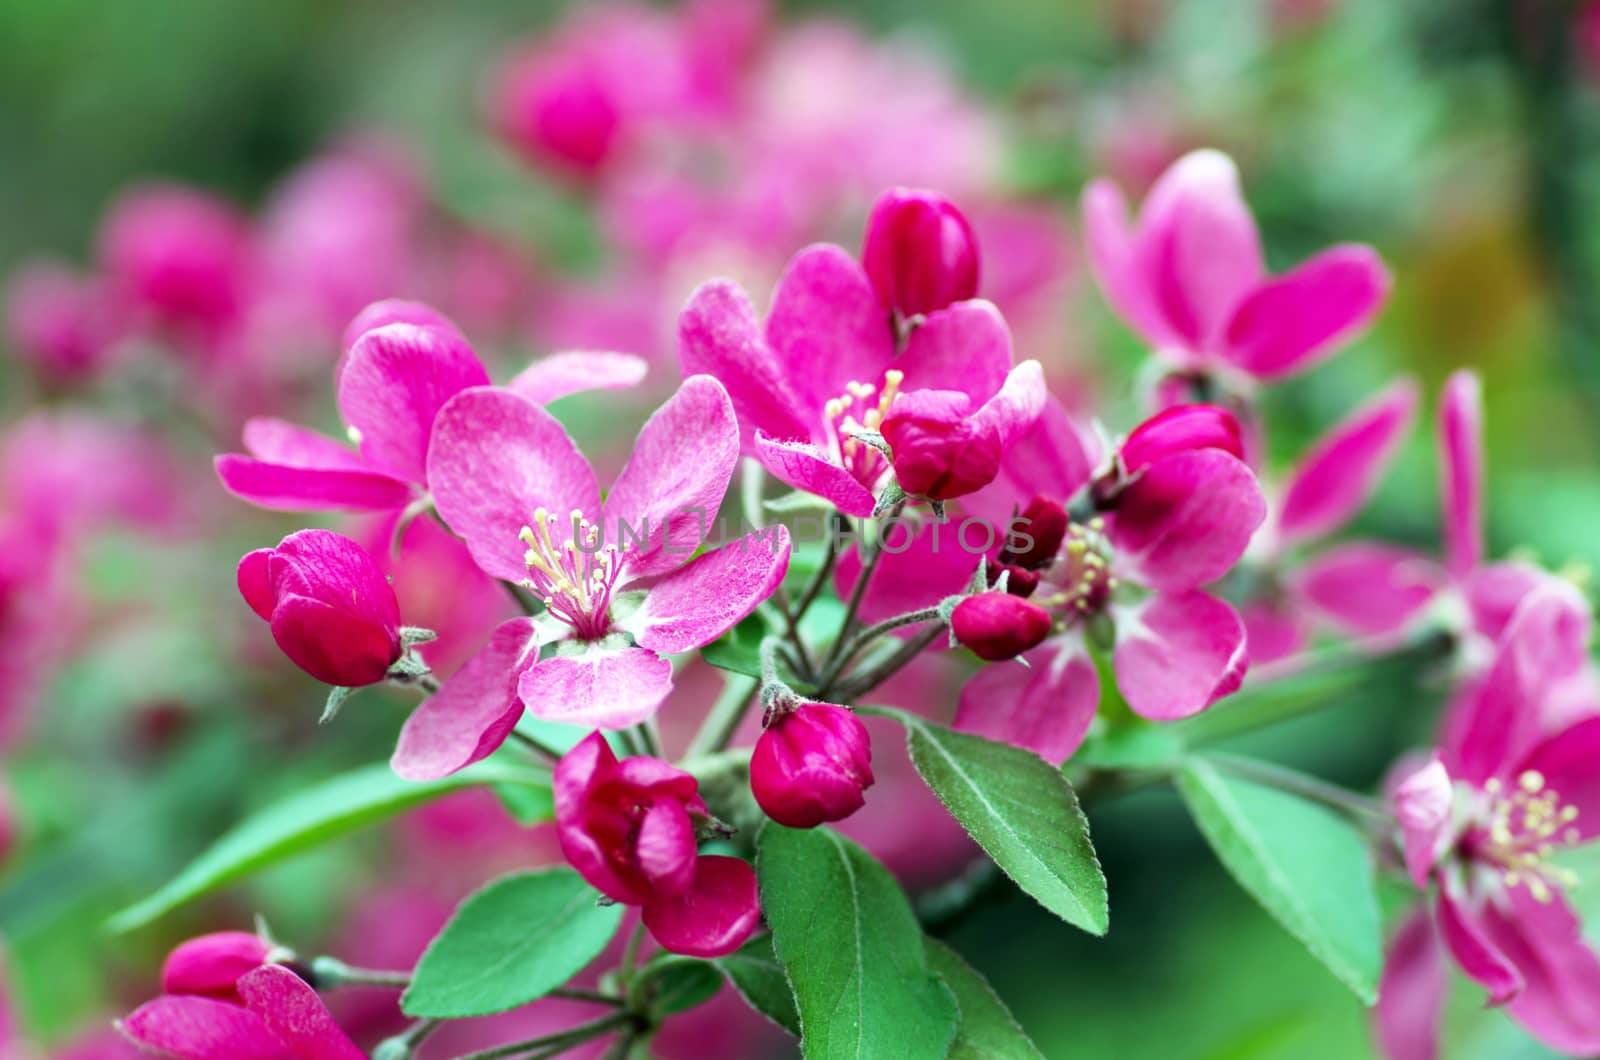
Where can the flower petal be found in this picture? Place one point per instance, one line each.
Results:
(665, 848)
(1461, 474)
(827, 326)
(281, 442)
(1178, 654)
(203, 1028)
(329, 644)
(1187, 519)
(496, 458)
(1289, 322)
(394, 383)
(717, 914)
(287, 488)
(561, 374)
(606, 688)
(1422, 806)
(718, 336)
(966, 347)
(805, 467)
(709, 595)
(1411, 992)
(394, 311)
(289, 1006)
(1111, 241)
(1368, 588)
(1494, 591)
(1567, 762)
(474, 711)
(1342, 469)
(1274, 630)
(1560, 999)
(1046, 706)
(1474, 950)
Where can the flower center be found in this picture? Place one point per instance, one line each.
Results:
(861, 407)
(573, 576)
(1521, 828)
(1080, 580)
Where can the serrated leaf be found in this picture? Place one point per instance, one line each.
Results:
(680, 983)
(851, 949)
(309, 817)
(1306, 865)
(1141, 746)
(739, 649)
(511, 942)
(987, 1030)
(754, 971)
(1021, 810)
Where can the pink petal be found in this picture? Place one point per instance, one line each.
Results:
(1560, 999)
(1569, 761)
(1461, 471)
(1187, 519)
(805, 467)
(1178, 654)
(292, 1009)
(496, 458)
(665, 848)
(1294, 320)
(1274, 630)
(255, 582)
(1495, 590)
(202, 1028)
(327, 643)
(715, 917)
(1411, 992)
(1046, 706)
(473, 713)
(212, 964)
(966, 347)
(394, 311)
(1051, 458)
(827, 327)
(561, 374)
(1475, 950)
(702, 600)
(1342, 469)
(1012, 411)
(394, 383)
(1111, 242)
(297, 489)
(605, 688)
(1422, 806)
(670, 490)
(1367, 588)
(589, 763)
(281, 442)
(917, 569)
(718, 336)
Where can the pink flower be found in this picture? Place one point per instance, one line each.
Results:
(825, 365)
(63, 323)
(628, 827)
(1481, 821)
(1189, 277)
(812, 763)
(941, 447)
(999, 626)
(403, 363)
(279, 1017)
(558, 111)
(332, 611)
(919, 252)
(617, 580)
(1181, 429)
(212, 965)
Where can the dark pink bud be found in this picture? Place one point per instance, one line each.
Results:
(1036, 535)
(998, 626)
(919, 252)
(1020, 581)
(1181, 429)
(211, 965)
(558, 110)
(178, 252)
(811, 765)
(332, 611)
(940, 449)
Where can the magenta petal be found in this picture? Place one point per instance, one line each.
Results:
(1111, 241)
(1016, 406)
(496, 458)
(394, 311)
(1560, 999)
(1290, 322)
(1187, 519)
(805, 467)
(1046, 706)
(715, 917)
(298, 489)
(669, 492)
(916, 571)
(203, 1028)
(327, 643)
(590, 762)
(1461, 471)
(702, 600)
(1178, 654)
(291, 1008)
(1422, 806)
(827, 327)
(665, 848)
(281, 442)
(561, 374)
(1368, 588)
(1274, 630)
(1051, 458)
(1474, 950)
(1411, 992)
(255, 582)
(212, 964)
(718, 336)
(1494, 591)
(473, 712)
(606, 688)
(1569, 761)
(966, 347)
(1342, 469)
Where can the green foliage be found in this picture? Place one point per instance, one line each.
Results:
(754, 971)
(987, 1030)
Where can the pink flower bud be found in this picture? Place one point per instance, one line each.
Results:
(211, 965)
(1181, 429)
(332, 611)
(999, 626)
(919, 252)
(60, 321)
(811, 765)
(558, 110)
(941, 451)
(177, 252)
(1036, 535)
(1020, 581)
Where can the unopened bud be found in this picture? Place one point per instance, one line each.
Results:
(811, 764)
(919, 252)
(998, 626)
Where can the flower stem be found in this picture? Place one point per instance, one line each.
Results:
(864, 639)
(861, 684)
(869, 565)
(564, 1039)
(725, 715)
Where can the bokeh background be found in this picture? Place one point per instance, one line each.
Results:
(145, 709)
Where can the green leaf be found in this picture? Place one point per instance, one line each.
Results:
(309, 817)
(1021, 810)
(515, 940)
(754, 971)
(851, 949)
(680, 983)
(987, 1030)
(1309, 867)
(527, 805)
(1142, 746)
(739, 649)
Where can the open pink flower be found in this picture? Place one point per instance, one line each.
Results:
(1189, 277)
(628, 827)
(825, 364)
(619, 585)
(278, 1017)
(403, 362)
(1481, 821)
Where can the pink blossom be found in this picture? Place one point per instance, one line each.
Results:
(332, 611)
(919, 252)
(999, 626)
(65, 324)
(280, 1018)
(211, 965)
(508, 479)
(1189, 277)
(628, 827)
(811, 764)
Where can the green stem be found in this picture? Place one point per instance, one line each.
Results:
(724, 717)
(593, 996)
(1367, 811)
(861, 684)
(565, 1039)
(536, 745)
(331, 973)
(630, 955)
(870, 559)
(829, 556)
(864, 639)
